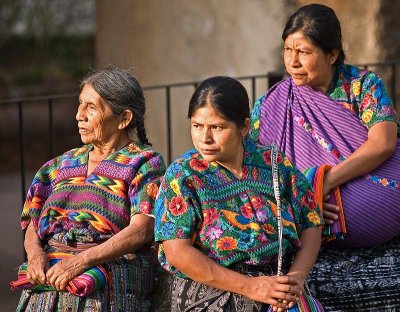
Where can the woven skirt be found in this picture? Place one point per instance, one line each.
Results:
(130, 284)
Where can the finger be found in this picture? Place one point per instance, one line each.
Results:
(276, 303)
(294, 290)
(327, 197)
(329, 217)
(286, 280)
(330, 207)
(284, 297)
(63, 284)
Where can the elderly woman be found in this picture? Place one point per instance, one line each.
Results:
(93, 206)
(216, 215)
(336, 122)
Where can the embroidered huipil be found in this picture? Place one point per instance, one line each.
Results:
(233, 220)
(67, 205)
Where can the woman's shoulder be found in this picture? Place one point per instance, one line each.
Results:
(260, 155)
(139, 150)
(188, 164)
(353, 74)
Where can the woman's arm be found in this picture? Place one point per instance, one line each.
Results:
(306, 256)
(38, 262)
(139, 232)
(197, 266)
(380, 145)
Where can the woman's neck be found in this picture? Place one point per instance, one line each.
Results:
(329, 81)
(103, 149)
(235, 165)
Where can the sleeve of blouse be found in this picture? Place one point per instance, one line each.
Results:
(176, 207)
(255, 119)
(38, 192)
(144, 187)
(375, 104)
(305, 209)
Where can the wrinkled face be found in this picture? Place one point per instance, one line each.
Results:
(308, 64)
(215, 137)
(96, 122)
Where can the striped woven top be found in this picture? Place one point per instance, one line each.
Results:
(67, 205)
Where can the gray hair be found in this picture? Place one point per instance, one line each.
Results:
(121, 91)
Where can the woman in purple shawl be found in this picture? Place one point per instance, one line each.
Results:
(337, 123)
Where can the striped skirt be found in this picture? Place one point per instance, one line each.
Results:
(130, 284)
(363, 279)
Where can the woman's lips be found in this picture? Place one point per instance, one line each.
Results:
(83, 130)
(208, 151)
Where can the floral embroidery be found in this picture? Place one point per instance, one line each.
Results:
(177, 206)
(199, 164)
(325, 145)
(230, 220)
(227, 243)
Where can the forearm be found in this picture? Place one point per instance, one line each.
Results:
(306, 256)
(138, 233)
(204, 270)
(381, 143)
(32, 242)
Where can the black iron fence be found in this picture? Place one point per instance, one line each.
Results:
(388, 71)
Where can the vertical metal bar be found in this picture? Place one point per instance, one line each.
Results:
(393, 86)
(253, 91)
(168, 103)
(51, 130)
(21, 149)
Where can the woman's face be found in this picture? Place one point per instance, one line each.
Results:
(215, 137)
(308, 64)
(96, 122)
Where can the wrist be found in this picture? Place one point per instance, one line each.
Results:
(299, 276)
(35, 253)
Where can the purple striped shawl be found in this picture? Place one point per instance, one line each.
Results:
(372, 210)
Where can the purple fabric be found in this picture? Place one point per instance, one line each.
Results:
(372, 211)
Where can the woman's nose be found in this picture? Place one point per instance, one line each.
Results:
(206, 136)
(80, 115)
(294, 59)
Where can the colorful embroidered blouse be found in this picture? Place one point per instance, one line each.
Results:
(69, 206)
(233, 220)
(358, 90)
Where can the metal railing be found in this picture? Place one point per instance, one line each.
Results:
(389, 75)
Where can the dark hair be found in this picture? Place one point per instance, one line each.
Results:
(226, 95)
(122, 91)
(320, 24)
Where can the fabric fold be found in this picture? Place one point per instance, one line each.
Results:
(315, 176)
(82, 285)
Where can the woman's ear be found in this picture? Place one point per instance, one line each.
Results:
(246, 127)
(126, 118)
(333, 55)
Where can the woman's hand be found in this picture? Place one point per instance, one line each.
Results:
(281, 292)
(38, 264)
(65, 270)
(329, 211)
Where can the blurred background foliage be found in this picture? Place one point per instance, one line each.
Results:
(45, 45)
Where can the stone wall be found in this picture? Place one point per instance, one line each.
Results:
(175, 41)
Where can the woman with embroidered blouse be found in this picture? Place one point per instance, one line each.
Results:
(216, 215)
(338, 125)
(88, 214)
